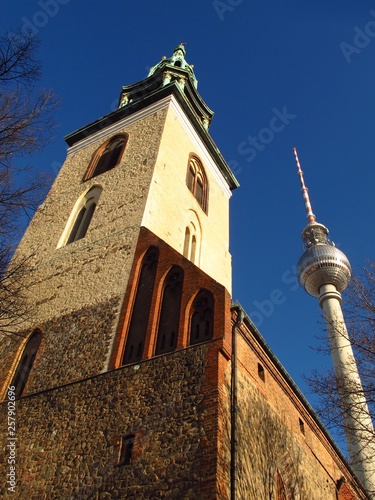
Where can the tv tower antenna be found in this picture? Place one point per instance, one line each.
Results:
(324, 271)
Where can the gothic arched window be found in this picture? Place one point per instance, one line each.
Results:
(106, 157)
(141, 309)
(26, 362)
(202, 316)
(196, 181)
(170, 311)
(83, 214)
(191, 243)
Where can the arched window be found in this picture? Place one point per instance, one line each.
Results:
(190, 244)
(196, 181)
(106, 157)
(201, 323)
(81, 216)
(26, 363)
(192, 239)
(141, 309)
(170, 311)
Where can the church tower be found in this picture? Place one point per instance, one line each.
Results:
(130, 262)
(134, 375)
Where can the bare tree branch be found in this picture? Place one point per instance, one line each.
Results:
(26, 125)
(359, 311)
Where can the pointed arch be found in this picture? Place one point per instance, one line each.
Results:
(196, 181)
(169, 317)
(81, 216)
(26, 362)
(192, 239)
(202, 317)
(107, 156)
(141, 308)
(186, 250)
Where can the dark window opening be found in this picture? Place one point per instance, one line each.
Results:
(82, 222)
(261, 372)
(106, 158)
(190, 178)
(26, 363)
(172, 339)
(83, 218)
(139, 350)
(196, 181)
(302, 426)
(170, 312)
(201, 326)
(199, 191)
(141, 309)
(127, 444)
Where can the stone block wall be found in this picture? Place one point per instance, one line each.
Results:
(96, 267)
(68, 438)
(73, 347)
(74, 285)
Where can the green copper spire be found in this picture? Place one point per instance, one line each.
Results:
(177, 60)
(172, 75)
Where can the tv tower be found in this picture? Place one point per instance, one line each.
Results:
(324, 271)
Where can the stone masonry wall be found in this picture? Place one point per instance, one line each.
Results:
(69, 438)
(73, 346)
(96, 267)
(90, 274)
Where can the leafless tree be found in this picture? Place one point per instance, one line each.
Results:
(26, 124)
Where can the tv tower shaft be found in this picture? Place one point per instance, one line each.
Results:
(324, 271)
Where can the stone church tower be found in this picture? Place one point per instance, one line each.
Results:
(135, 376)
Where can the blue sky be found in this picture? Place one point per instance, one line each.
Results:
(313, 63)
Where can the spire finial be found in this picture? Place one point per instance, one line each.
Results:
(305, 192)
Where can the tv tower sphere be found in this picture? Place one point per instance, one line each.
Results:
(320, 264)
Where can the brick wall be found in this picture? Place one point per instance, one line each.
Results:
(271, 439)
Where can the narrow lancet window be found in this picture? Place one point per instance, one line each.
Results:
(82, 215)
(141, 309)
(196, 181)
(170, 311)
(201, 325)
(186, 243)
(26, 363)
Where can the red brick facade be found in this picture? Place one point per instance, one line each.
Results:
(194, 281)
